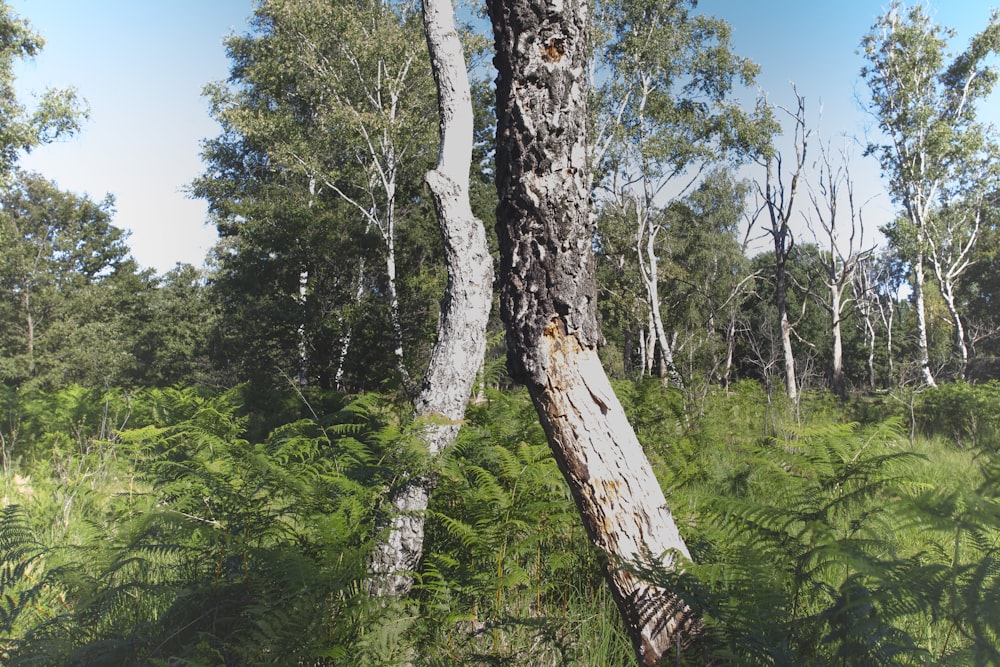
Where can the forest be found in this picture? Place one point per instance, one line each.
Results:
(528, 341)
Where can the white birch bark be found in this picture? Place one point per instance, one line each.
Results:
(649, 271)
(843, 255)
(461, 342)
(780, 203)
(951, 244)
(923, 350)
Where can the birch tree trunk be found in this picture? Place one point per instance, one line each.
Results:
(788, 354)
(780, 205)
(887, 312)
(548, 302)
(836, 312)
(864, 297)
(950, 252)
(649, 272)
(923, 350)
(347, 336)
(461, 342)
(303, 342)
(948, 294)
(29, 329)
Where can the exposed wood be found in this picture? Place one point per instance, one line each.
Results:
(548, 302)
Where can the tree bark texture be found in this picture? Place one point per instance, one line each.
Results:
(461, 342)
(548, 302)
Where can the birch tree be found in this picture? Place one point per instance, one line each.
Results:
(953, 233)
(876, 289)
(932, 145)
(662, 115)
(332, 99)
(461, 337)
(548, 303)
(778, 198)
(841, 244)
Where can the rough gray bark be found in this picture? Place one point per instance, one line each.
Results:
(548, 302)
(461, 341)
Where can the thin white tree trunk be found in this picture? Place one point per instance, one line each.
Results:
(29, 324)
(345, 338)
(837, 306)
(923, 350)
(461, 343)
(889, 319)
(643, 347)
(864, 295)
(649, 269)
(730, 350)
(393, 294)
(303, 341)
(948, 293)
(791, 385)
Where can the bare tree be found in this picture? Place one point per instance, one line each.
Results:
(779, 202)
(842, 248)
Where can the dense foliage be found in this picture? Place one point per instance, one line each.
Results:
(196, 465)
(145, 528)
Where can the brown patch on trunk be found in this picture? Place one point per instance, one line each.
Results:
(554, 50)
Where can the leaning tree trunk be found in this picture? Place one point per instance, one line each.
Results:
(461, 342)
(962, 350)
(548, 302)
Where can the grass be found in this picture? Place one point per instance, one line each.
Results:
(817, 541)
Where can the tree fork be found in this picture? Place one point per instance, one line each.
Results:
(548, 303)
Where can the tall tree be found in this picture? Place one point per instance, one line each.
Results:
(706, 273)
(663, 114)
(315, 184)
(25, 255)
(933, 148)
(461, 337)
(55, 248)
(170, 321)
(875, 289)
(841, 243)
(980, 290)
(778, 201)
(548, 303)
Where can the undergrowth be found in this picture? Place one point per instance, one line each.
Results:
(160, 528)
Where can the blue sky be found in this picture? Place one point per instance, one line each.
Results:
(142, 64)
